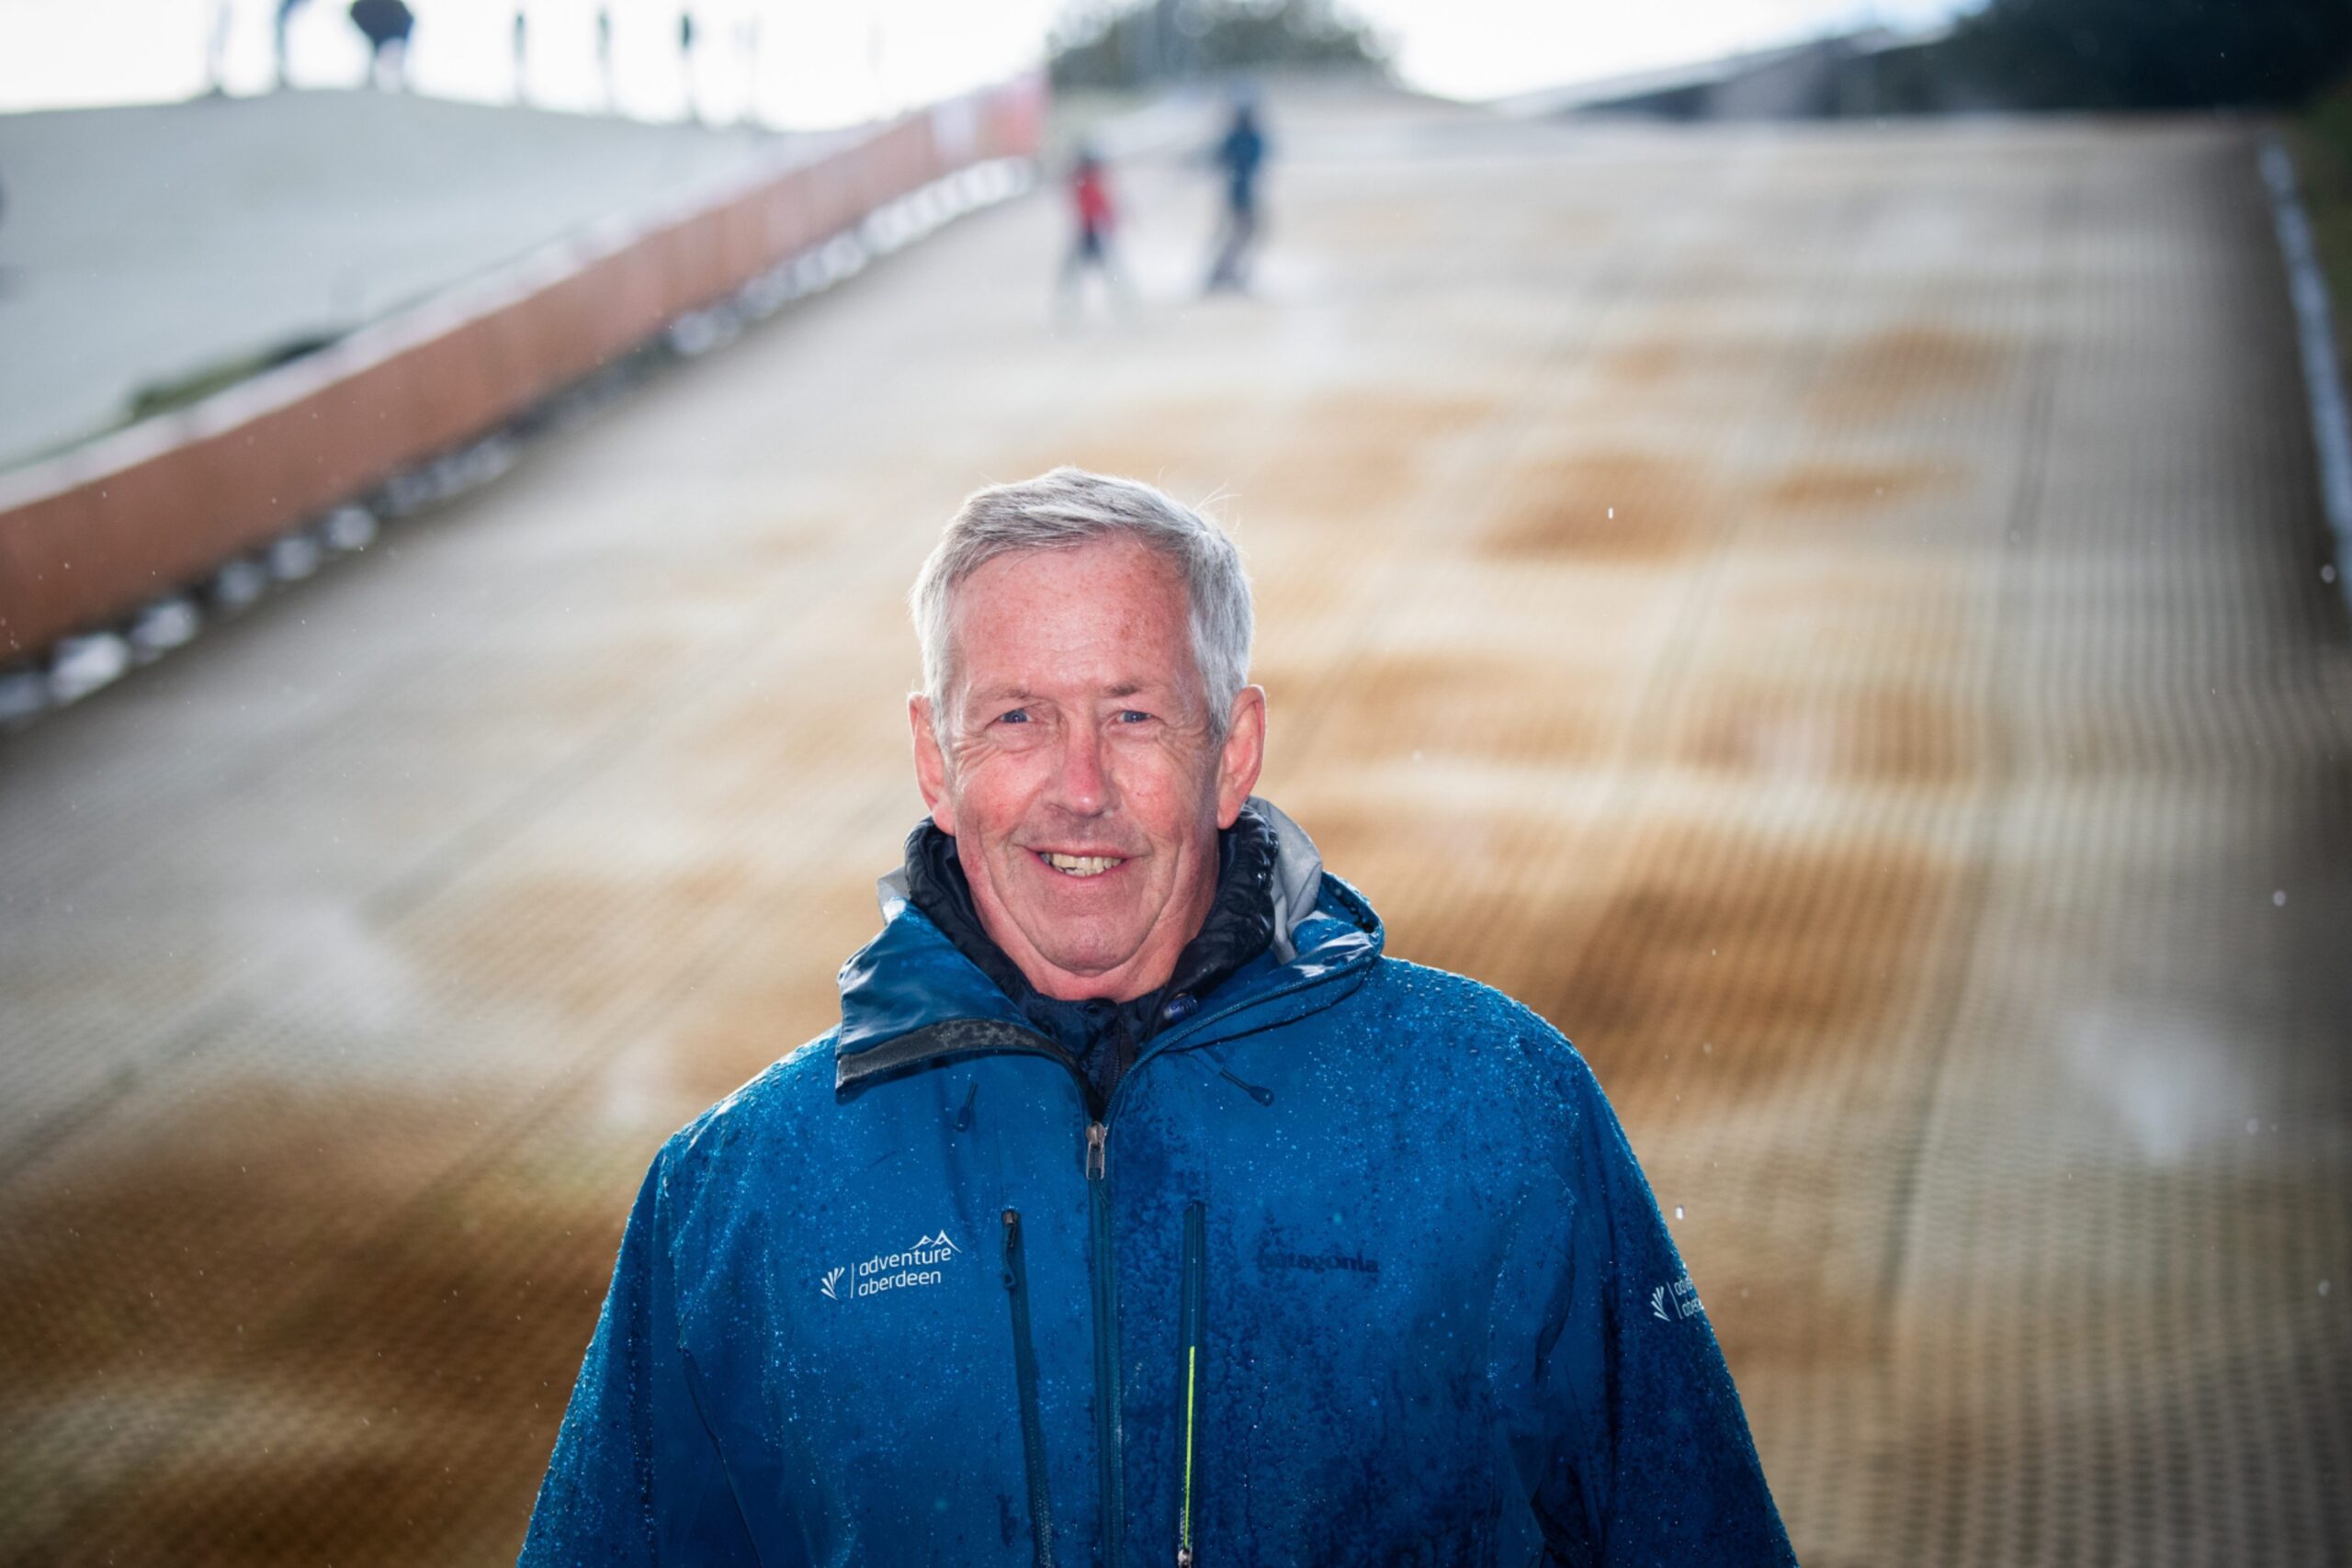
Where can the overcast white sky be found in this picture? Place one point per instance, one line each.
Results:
(823, 62)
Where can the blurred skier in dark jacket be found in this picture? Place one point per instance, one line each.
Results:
(386, 24)
(1240, 155)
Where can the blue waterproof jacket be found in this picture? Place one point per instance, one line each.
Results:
(1356, 1266)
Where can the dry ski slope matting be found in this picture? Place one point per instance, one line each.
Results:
(1835, 619)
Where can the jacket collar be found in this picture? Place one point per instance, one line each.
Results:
(910, 999)
(1239, 927)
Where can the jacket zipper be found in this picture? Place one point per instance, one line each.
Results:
(1107, 1386)
(1193, 1310)
(1103, 1267)
(1024, 1376)
(1107, 1440)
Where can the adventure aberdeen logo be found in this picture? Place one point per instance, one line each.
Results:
(918, 1266)
(1673, 1303)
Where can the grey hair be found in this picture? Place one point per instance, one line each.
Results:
(1070, 507)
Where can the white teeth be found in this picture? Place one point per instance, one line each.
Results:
(1082, 866)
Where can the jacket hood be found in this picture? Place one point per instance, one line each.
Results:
(910, 998)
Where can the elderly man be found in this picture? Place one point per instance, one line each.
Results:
(1139, 1210)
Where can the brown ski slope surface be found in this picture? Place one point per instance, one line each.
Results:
(1831, 618)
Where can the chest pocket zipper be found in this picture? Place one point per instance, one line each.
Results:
(1024, 1375)
(1192, 1313)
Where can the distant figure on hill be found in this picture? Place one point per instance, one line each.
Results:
(286, 9)
(522, 53)
(1240, 154)
(1089, 195)
(604, 53)
(386, 24)
(216, 51)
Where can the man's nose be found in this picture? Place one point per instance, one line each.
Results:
(1082, 783)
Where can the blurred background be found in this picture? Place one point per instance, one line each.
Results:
(1802, 539)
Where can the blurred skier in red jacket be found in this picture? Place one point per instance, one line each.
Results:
(1089, 195)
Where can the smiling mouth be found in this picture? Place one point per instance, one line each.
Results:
(1080, 865)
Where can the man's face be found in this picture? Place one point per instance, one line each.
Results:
(1080, 775)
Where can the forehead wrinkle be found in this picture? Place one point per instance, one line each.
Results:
(1003, 690)
(1063, 661)
(1021, 692)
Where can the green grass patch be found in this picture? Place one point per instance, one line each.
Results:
(163, 396)
(2321, 138)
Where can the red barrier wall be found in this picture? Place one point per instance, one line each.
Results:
(88, 537)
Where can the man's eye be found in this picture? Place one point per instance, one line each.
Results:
(1133, 715)
(1018, 715)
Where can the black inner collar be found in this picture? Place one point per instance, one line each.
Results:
(1240, 925)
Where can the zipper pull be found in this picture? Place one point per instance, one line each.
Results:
(1011, 1244)
(1095, 1158)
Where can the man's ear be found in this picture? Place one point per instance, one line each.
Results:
(1244, 753)
(930, 764)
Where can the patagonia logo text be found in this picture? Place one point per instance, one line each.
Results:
(1332, 1262)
